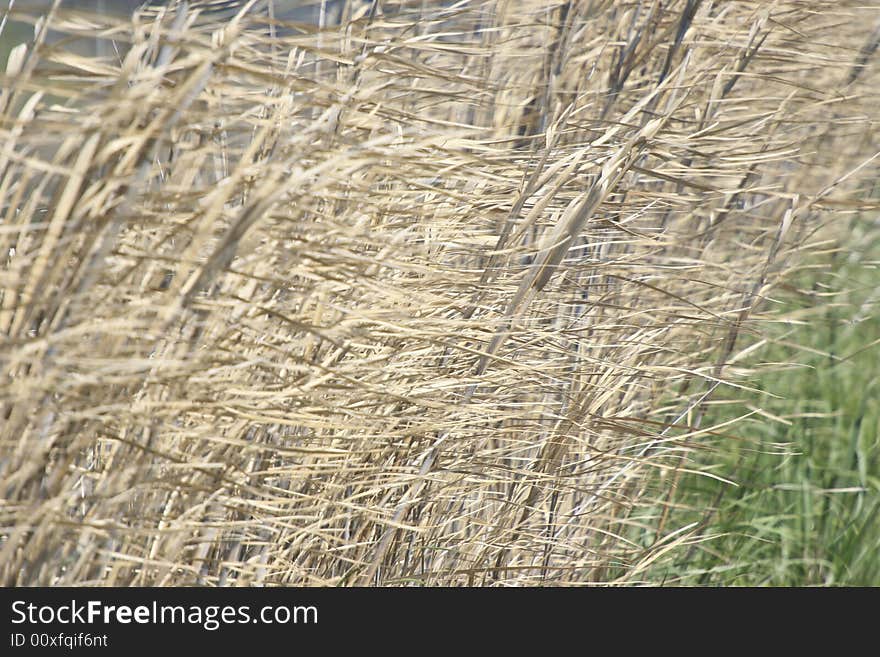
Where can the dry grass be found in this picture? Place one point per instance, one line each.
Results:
(414, 299)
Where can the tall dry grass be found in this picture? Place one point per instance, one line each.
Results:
(417, 298)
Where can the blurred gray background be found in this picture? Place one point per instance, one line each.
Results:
(316, 12)
(295, 10)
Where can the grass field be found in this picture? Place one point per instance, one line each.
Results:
(440, 294)
(805, 509)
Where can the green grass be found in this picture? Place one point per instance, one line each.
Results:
(806, 510)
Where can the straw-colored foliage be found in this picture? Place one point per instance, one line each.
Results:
(417, 297)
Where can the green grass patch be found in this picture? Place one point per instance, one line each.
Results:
(806, 507)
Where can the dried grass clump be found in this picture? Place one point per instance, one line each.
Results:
(417, 297)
